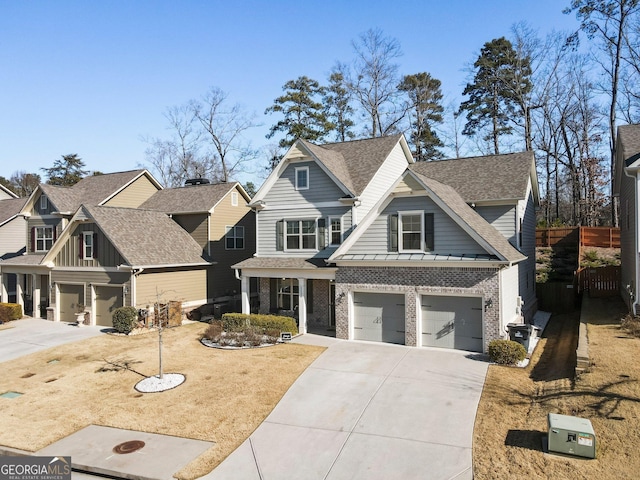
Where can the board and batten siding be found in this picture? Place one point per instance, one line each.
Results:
(134, 195)
(13, 237)
(267, 220)
(171, 285)
(70, 254)
(322, 188)
(503, 218)
(196, 225)
(89, 278)
(42, 211)
(628, 219)
(449, 238)
(385, 177)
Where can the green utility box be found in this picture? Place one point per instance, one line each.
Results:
(571, 436)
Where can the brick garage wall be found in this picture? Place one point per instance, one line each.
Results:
(462, 281)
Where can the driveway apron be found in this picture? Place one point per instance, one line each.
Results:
(30, 335)
(369, 411)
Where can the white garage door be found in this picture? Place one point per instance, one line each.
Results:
(71, 296)
(107, 300)
(452, 322)
(379, 317)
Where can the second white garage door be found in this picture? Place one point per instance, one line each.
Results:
(452, 322)
(379, 317)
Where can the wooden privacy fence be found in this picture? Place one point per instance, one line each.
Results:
(607, 237)
(600, 281)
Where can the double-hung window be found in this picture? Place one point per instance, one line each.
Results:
(43, 239)
(335, 231)
(302, 178)
(301, 235)
(411, 232)
(234, 238)
(87, 245)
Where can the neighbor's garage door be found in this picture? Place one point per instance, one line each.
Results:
(379, 317)
(452, 322)
(107, 300)
(70, 297)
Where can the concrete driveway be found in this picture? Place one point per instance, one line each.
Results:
(31, 335)
(368, 411)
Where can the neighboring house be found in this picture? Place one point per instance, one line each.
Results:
(111, 256)
(5, 193)
(12, 240)
(48, 211)
(626, 186)
(358, 237)
(218, 218)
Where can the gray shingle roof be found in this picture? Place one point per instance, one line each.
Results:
(354, 163)
(629, 140)
(196, 198)
(145, 237)
(26, 260)
(477, 179)
(281, 262)
(92, 190)
(10, 208)
(478, 224)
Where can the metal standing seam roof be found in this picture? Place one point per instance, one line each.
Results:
(145, 237)
(189, 199)
(354, 163)
(91, 190)
(488, 178)
(10, 207)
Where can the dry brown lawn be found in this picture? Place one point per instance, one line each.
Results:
(225, 397)
(512, 415)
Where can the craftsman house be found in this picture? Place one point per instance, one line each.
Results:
(359, 238)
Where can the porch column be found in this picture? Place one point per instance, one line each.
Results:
(302, 305)
(4, 294)
(245, 294)
(35, 283)
(19, 291)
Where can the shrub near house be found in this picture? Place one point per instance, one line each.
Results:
(10, 311)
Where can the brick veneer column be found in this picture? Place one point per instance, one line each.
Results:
(265, 297)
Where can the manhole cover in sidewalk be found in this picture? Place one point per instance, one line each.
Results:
(128, 447)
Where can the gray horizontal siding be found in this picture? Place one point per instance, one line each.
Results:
(449, 238)
(321, 187)
(503, 218)
(267, 227)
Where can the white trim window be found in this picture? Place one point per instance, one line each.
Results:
(87, 245)
(234, 199)
(335, 231)
(287, 293)
(300, 235)
(43, 239)
(411, 227)
(44, 203)
(234, 238)
(302, 178)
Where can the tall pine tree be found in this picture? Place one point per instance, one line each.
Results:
(500, 77)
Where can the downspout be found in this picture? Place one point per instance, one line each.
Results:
(636, 254)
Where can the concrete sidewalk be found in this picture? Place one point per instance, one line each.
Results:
(368, 411)
(30, 335)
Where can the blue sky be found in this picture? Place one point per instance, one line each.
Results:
(94, 77)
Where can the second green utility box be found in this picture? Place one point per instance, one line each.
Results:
(571, 436)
